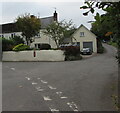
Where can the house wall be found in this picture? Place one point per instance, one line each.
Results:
(40, 39)
(44, 39)
(8, 35)
(41, 55)
(88, 37)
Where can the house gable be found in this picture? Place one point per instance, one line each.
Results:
(87, 34)
(85, 37)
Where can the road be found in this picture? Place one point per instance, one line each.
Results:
(85, 85)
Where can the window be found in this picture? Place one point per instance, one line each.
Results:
(38, 35)
(82, 34)
(39, 46)
(12, 35)
(36, 46)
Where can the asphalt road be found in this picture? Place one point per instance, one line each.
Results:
(85, 85)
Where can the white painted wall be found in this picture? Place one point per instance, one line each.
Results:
(44, 39)
(8, 35)
(89, 37)
(42, 55)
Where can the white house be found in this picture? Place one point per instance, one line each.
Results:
(9, 30)
(82, 36)
(85, 38)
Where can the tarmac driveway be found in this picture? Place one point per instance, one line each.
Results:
(85, 85)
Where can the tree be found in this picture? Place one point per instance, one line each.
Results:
(17, 40)
(101, 27)
(7, 44)
(29, 25)
(58, 31)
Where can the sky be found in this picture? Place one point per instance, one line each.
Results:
(10, 10)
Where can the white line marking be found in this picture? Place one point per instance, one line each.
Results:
(59, 93)
(53, 109)
(39, 89)
(63, 97)
(47, 98)
(73, 106)
(51, 87)
(13, 69)
(27, 78)
(44, 82)
(38, 78)
(34, 83)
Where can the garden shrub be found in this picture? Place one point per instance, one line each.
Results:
(21, 47)
(17, 40)
(72, 50)
(7, 44)
(100, 48)
(72, 53)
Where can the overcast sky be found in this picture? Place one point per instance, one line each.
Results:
(65, 10)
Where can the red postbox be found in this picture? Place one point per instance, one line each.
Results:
(34, 53)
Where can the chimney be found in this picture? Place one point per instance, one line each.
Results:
(55, 16)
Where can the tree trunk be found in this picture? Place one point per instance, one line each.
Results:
(57, 44)
(28, 41)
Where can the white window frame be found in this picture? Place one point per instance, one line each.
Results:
(82, 34)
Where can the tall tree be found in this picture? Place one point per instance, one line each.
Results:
(29, 25)
(101, 26)
(58, 31)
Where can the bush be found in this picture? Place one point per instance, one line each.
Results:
(21, 47)
(7, 44)
(71, 50)
(17, 40)
(72, 53)
(100, 48)
(45, 46)
(113, 44)
(72, 58)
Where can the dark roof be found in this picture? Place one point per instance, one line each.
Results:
(46, 21)
(11, 27)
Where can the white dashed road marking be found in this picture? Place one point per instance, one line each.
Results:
(47, 98)
(59, 93)
(13, 69)
(73, 106)
(34, 83)
(27, 78)
(44, 82)
(51, 87)
(53, 109)
(39, 89)
(63, 97)
(50, 101)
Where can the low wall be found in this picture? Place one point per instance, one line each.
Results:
(41, 55)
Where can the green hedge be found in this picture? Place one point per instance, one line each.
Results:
(7, 44)
(113, 44)
(72, 53)
(21, 47)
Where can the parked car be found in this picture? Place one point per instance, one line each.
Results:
(86, 51)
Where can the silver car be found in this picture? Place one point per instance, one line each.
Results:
(86, 51)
